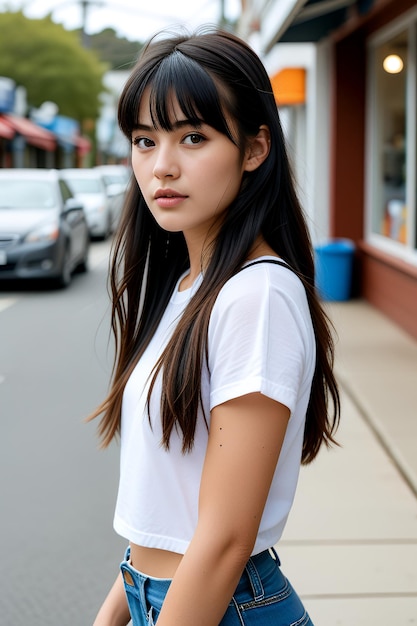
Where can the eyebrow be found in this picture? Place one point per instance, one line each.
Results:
(196, 122)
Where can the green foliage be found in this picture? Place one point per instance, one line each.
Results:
(51, 64)
(119, 53)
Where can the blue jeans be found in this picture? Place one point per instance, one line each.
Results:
(263, 597)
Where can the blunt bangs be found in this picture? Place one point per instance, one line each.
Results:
(179, 77)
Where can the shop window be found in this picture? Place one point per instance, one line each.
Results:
(391, 213)
(390, 204)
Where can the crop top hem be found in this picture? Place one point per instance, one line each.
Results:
(148, 540)
(171, 544)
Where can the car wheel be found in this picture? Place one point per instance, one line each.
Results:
(64, 278)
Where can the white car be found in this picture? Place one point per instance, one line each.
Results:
(88, 186)
(116, 179)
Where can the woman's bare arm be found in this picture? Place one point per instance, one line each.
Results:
(245, 440)
(114, 610)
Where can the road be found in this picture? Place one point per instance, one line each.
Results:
(59, 553)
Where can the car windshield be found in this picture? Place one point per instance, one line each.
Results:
(85, 185)
(26, 194)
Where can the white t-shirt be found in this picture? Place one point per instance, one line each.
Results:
(260, 339)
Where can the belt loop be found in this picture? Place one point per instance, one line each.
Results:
(255, 580)
(275, 556)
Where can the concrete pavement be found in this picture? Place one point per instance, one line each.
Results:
(350, 546)
(377, 365)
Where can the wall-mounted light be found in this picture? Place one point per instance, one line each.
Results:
(393, 64)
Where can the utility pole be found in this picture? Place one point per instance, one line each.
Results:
(222, 13)
(85, 5)
(84, 37)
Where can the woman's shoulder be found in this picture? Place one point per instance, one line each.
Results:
(264, 303)
(272, 267)
(262, 275)
(261, 287)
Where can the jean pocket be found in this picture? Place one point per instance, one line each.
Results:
(284, 608)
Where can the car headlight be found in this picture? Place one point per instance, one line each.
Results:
(46, 232)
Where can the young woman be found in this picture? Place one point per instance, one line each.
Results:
(223, 370)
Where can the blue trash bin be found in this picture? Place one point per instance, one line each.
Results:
(334, 264)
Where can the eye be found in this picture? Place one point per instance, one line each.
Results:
(142, 142)
(193, 139)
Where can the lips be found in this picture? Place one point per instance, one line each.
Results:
(167, 193)
(168, 198)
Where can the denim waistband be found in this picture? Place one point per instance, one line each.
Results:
(258, 568)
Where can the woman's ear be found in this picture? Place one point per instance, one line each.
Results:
(258, 149)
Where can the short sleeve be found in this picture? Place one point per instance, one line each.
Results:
(260, 336)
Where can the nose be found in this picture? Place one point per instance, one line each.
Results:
(165, 165)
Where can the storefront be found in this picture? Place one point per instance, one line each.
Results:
(45, 140)
(372, 153)
(29, 145)
(72, 147)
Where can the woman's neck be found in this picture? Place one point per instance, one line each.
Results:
(198, 260)
(260, 248)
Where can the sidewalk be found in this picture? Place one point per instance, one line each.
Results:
(350, 546)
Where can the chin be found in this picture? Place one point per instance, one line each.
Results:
(170, 226)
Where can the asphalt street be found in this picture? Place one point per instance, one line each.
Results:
(59, 553)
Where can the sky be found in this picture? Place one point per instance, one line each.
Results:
(137, 20)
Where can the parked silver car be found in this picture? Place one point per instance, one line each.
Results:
(43, 229)
(88, 186)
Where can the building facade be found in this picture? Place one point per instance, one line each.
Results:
(361, 122)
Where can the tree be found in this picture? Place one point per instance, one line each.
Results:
(118, 52)
(51, 64)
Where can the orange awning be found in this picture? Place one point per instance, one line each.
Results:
(33, 134)
(289, 86)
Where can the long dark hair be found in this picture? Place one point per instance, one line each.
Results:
(214, 76)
